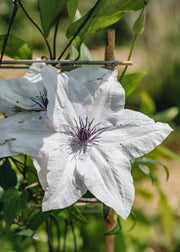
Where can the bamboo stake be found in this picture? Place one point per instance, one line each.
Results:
(110, 45)
(110, 220)
(110, 223)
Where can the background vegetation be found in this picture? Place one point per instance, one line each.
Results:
(156, 215)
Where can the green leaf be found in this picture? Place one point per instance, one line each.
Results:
(1, 202)
(153, 161)
(38, 219)
(144, 193)
(131, 81)
(116, 229)
(14, 202)
(16, 48)
(133, 216)
(166, 115)
(147, 105)
(8, 176)
(138, 26)
(49, 11)
(84, 53)
(106, 211)
(145, 169)
(28, 233)
(71, 212)
(72, 7)
(106, 13)
(77, 215)
(143, 161)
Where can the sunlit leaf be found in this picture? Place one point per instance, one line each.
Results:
(144, 193)
(28, 233)
(48, 12)
(106, 13)
(166, 115)
(131, 81)
(142, 163)
(147, 105)
(8, 176)
(145, 169)
(15, 48)
(84, 53)
(14, 201)
(72, 7)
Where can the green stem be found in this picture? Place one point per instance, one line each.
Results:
(74, 236)
(65, 235)
(58, 232)
(39, 29)
(18, 164)
(48, 231)
(35, 245)
(129, 57)
(80, 28)
(9, 28)
(54, 39)
(25, 167)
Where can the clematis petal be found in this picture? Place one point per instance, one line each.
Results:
(107, 93)
(68, 99)
(8, 127)
(25, 131)
(28, 142)
(107, 99)
(107, 176)
(135, 134)
(34, 74)
(18, 92)
(5, 150)
(64, 186)
(40, 163)
(84, 75)
(36, 144)
(14, 122)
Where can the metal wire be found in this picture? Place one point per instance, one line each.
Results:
(61, 64)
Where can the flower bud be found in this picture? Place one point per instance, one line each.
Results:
(138, 27)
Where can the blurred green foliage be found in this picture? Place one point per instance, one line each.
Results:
(158, 96)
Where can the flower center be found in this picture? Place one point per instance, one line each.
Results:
(84, 134)
(41, 99)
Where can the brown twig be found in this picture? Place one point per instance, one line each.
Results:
(39, 29)
(9, 28)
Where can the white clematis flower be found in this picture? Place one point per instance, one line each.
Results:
(85, 140)
(23, 93)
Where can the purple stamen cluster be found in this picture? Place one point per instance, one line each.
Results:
(41, 99)
(84, 134)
